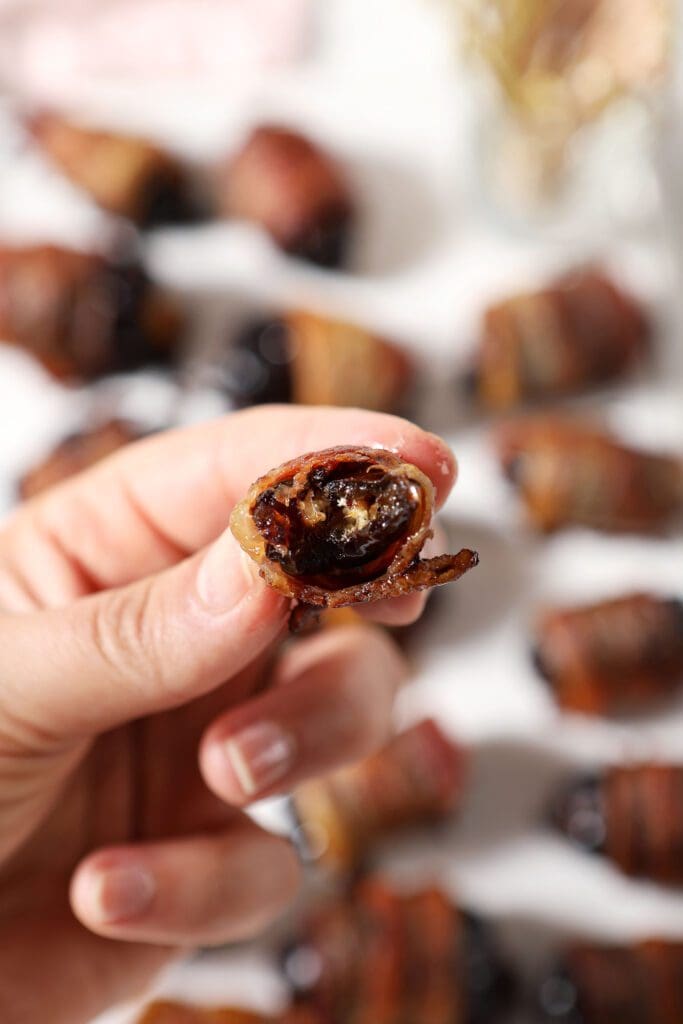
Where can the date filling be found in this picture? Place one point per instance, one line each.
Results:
(344, 527)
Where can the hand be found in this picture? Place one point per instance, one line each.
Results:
(143, 700)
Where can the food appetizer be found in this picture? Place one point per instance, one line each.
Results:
(344, 526)
(290, 187)
(632, 815)
(416, 779)
(75, 453)
(390, 958)
(567, 472)
(123, 174)
(82, 315)
(580, 331)
(624, 654)
(309, 359)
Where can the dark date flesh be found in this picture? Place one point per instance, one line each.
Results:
(344, 526)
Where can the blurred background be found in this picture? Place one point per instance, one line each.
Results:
(466, 211)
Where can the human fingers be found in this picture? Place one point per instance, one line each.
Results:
(331, 704)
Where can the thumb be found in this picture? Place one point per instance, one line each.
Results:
(125, 653)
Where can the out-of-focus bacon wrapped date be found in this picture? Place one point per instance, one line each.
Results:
(580, 331)
(311, 360)
(123, 174)
(76, 453)
(285, 183)
(344, 526)
(640, 984)
(567, 472)
(416, 779)
(387, 958)
(633, 815)
(81, 315)
(619, 655)
(181, 1013)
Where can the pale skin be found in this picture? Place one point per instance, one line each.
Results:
(145, 699)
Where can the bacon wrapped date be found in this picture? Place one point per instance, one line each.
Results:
(75, 453)
(580, 331)
(285, 183)
(309, 359)
(592, 984)
(571, 473)
(344, 526)
(632, 815)
(389, 958)
(82, 315)
(416, 779)
(618, 655)
(123, 174)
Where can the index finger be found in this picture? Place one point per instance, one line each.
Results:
(162, 499)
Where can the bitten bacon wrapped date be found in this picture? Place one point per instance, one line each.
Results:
(123, 174)
(567, 472)
(82, 315)
(389, 958)
(312, 360)
(580, 331)
(640, 984)
(295, 191)
(416, 779)
(631, 814)
(344, 526)
(76, 453)
(618, 655)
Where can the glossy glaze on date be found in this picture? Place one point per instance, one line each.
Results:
(123, 174)
(416, 779)
(631, 814)
(623, 654)
(313, 360)
(390, 958)
(285, 183)
(182, 1013)
(76, 453)
(567, 472)
(639, 984)
(344, 526)
(81, 315)
(578, 332)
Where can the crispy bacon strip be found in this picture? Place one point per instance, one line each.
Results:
(344, 526)
(623, 654)
(182, 1013)
(572, 473)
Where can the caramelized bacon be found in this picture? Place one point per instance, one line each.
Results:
(181, 1013)
(81, 315)
(417, 778)
(344, 526)
(123, 174)
(290, 187)
(578, 332)
(618, 655)
(567, 472)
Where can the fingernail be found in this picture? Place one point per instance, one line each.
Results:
(226, 575)
(259, 756)
(119, 894)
